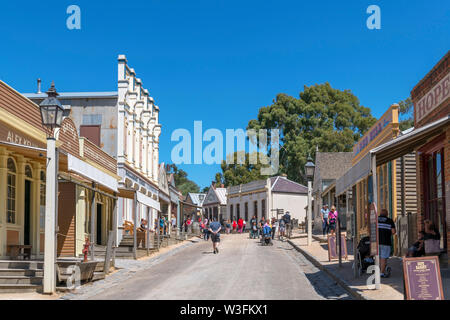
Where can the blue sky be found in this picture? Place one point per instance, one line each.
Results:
(220, 61)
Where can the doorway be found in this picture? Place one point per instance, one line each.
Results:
(27, 214)
(99, 223)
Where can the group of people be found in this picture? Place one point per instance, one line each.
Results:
(260, 227)
(329, 219)
(212, 228)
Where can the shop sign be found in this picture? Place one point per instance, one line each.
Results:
(374, 132)
(422, 278)
(430, 101)
(8, 134)
(373, 230)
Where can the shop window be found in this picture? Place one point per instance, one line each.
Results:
(383, 187)
(246, 211)
(11, 192)
(434, 192)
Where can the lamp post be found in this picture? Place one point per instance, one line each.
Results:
(52, 113)
(309, 171)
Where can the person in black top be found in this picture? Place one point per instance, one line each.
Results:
(386, 229)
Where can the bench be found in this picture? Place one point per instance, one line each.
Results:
(18, 250)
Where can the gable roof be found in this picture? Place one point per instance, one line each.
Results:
(283, 184)
(216, 195)
(197, 198)
(330, 166)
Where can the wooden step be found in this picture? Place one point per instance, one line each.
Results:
(20, 280)
(19, 288)
(17, 264)
(22, 272)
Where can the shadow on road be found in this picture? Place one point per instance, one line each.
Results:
(328, 290)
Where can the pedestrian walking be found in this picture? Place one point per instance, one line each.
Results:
(324, 215)
(386, 229)
(174, 222)
(228, 226)
(240, 225)
(282, 226)
(274, 227)
(261, 224)
(214, 229)
(234, 225)
(332, 220)
(206, 230)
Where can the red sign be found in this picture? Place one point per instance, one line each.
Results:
(422, 278)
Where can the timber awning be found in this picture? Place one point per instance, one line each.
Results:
(354, 174)
(409, 142)
(140, 197)
(89, 171)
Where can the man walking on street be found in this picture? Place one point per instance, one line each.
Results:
(386, 229)
(214, 229)
(324, 215)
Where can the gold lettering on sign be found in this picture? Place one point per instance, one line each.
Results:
(17, 139)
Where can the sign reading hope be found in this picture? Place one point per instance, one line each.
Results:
(438, 94)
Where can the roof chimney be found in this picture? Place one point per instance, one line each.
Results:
(39, 85)
(213, 184)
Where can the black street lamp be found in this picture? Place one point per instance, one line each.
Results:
(52, 111)
(309, 171)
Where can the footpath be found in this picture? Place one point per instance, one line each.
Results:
(391, 288)
(124, 269)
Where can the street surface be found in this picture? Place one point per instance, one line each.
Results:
(243, 269)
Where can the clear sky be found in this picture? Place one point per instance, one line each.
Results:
(220, 61)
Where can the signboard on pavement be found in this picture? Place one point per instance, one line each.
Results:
(373, 230)
(422, 278)
(333, 250)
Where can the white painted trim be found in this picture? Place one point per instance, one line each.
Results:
(146, 200)
(91, 172)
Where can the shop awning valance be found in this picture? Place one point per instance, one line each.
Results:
(140, 197)
(354, 174)
(91, 172)
(409, 142)
(146, 200)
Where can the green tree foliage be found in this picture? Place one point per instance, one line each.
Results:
(322, 117)
(181, 181)
(235, 174)
(406, 114)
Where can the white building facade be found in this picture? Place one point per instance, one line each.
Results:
(262, 198)
(125, 124)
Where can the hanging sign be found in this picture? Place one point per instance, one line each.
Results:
(373, 230)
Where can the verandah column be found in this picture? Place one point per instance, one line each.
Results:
(3, 174)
